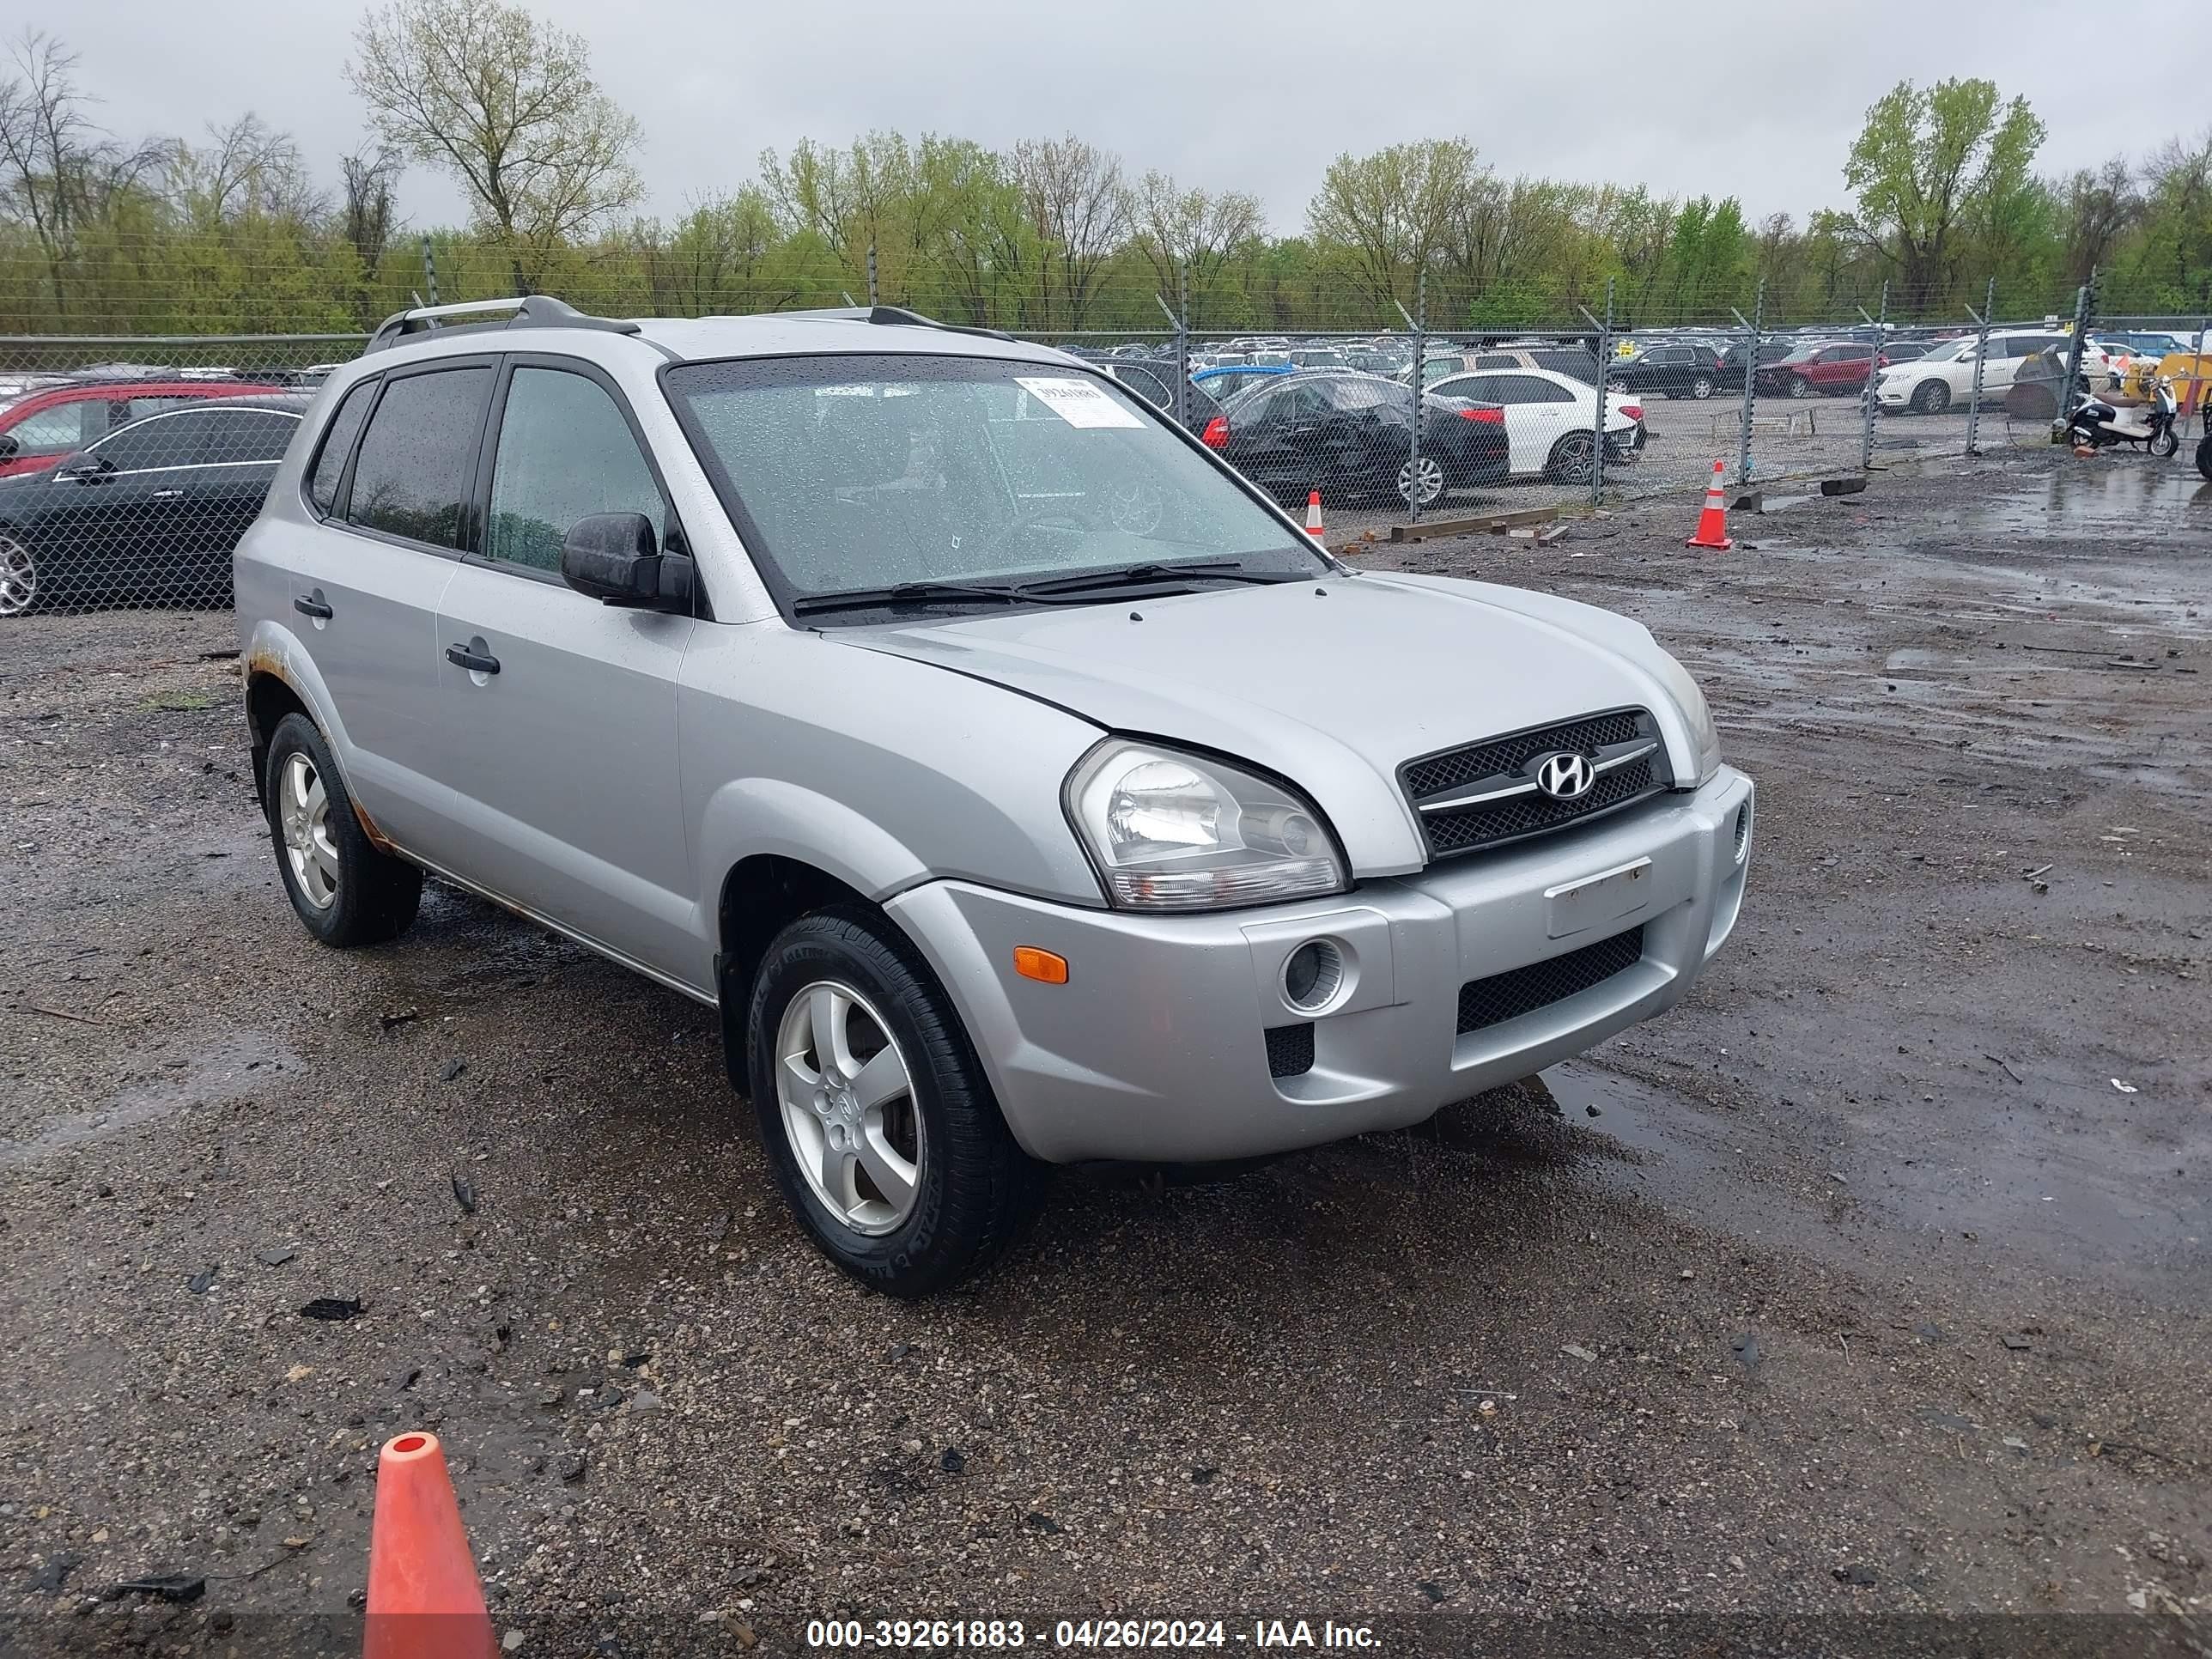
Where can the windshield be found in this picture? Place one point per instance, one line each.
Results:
(853, 472)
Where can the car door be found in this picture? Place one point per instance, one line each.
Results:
(222, 477)
(393, 481)
(1534, 421)
(52, 426)
(114, 510)
(562, 755)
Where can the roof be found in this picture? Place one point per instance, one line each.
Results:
(773, 334)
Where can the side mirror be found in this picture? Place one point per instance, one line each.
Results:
(616, 558)
(84, 468)
(8, 445)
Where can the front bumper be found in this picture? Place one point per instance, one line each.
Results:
(1155, 1049)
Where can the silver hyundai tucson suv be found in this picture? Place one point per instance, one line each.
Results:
(1018, 781)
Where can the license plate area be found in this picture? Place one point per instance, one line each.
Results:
(1606, 897)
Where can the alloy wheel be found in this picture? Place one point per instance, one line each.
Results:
(18, 578)
(1431, 477)
(1572, 462)
(303, 818)
(847, 1100)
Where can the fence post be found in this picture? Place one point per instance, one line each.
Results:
(1419, 323)
(429, 272)
(1597, 423)
(1981, 357)
(2081, 302)
(1750, 374)
(872, 301)
(1179, 395)
(1881, 322)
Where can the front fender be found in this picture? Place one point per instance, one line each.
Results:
(747, 817)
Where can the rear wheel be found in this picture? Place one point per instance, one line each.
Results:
(2204, 455)
(880, 1124)
(19, 577)
(1426, 485)
(1702, 388)
(343, 890)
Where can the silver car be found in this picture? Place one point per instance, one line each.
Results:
(1022, 786)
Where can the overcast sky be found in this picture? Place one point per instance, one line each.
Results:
(1760, 99)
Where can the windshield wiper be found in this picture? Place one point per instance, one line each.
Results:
(863, 598)
(1230, 570)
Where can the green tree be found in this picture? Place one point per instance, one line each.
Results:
(1385, 217)
(506, 105)
(1929, 163)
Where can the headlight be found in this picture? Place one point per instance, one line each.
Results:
(1173, 831)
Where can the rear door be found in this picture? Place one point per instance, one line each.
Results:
(1537, 415)
(394, 483)
(562, 761)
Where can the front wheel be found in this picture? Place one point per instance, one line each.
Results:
(1931, 398)
(880, 1124)
(1573, 459)
(1798, 386)
(345, 891)
(2164, 443)
(19, 577)
(2204, 455)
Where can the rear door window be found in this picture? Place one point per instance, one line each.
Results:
(337, 445)
(417, 459)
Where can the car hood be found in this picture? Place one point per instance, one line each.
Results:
(1331, 684)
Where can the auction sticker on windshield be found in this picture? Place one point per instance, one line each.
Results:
(1077, 402)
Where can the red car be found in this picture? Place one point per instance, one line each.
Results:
(1819, 370)
(38, 427)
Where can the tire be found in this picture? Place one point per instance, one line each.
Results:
(2165, 444)
(1798, 387)
(2204, 455)
(19, 577)
(1702, 388)
(1572, 460)
(344, 891)
(968, 1189)
(1432, 482)
(1931, 398)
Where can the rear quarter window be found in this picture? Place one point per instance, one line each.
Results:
(344, 426)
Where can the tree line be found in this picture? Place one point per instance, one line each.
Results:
(234, 231)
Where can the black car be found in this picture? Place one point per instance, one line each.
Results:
(1349, 436)
(1672, 371)
(1731, 360)
(147, 514)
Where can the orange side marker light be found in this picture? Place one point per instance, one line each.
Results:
(1042, 965)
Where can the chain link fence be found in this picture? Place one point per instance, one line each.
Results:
(131, 465)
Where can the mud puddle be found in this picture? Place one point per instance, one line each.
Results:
(232, 1065)
(2125, 503)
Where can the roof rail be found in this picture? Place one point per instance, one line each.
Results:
(529, 311)
(900, 317)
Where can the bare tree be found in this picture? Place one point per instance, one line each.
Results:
(58, 170)
(368, 218)
(246, 170)
(1188, 236)
(507, 104)
(1072, 193)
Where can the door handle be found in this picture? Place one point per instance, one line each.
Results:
(307, 607)
(167, 495)
(461, 657)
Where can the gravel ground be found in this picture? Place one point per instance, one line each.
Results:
(1872, 1280)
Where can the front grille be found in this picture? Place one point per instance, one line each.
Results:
(1486, 1002)
(1506, 760)
(1290, 1050)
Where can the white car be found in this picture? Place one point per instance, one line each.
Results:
(1930, 384)
(1549, 417)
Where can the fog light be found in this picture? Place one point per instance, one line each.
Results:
(1742, 831)
(1312, 975)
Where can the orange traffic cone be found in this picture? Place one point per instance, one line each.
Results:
(425, 1601)
(1313, 513)
(1712, 523)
